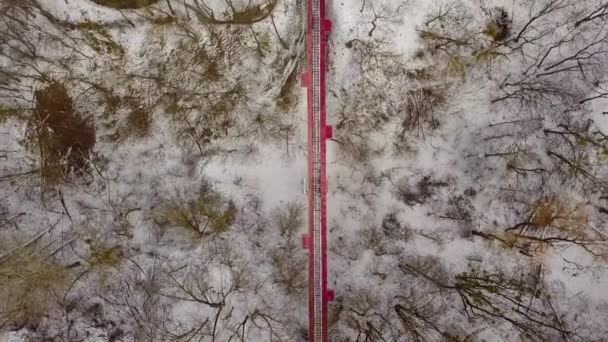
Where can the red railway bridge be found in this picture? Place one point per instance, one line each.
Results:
(315, 241)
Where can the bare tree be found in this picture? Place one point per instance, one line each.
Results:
(519, 299)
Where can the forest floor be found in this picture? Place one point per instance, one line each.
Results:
(152, 153)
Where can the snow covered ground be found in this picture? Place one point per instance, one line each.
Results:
(467, 174)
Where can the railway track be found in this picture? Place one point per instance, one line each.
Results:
(318, 132)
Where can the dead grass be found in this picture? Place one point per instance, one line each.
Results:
(64, 139)
(27, 281)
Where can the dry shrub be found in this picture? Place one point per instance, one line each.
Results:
(215, 55)
(222, 108)
(289, 218)
(246, 15)
(289, 265)
(290, 269)
(253, 14)
(181, 216)
(215, 121)
(101, 256)
(99, 39)
(204, 101)
(208, 214)
(27, 282)
(456, 66)
(354, 147)
(430, 267)
(212, 72)
(553, 220)
(421, 74)
(455, 46)
(63, 138)
(287, 97)
(421, 106)
(393, 229)
(419, 192)
(359, 307)
(498, 28)
(374, 241)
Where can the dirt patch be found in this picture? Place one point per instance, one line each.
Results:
(63, 138)
(125, 4)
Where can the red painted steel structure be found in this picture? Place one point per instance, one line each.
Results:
(324, 27)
